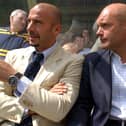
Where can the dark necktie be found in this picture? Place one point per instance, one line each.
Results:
(30, 72)
(33, 68)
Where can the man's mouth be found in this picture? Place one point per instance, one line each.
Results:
(103, 40)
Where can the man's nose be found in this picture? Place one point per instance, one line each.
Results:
(99, 31)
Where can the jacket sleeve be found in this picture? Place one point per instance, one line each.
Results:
(10, 109)
(51, 105)
(80, 113)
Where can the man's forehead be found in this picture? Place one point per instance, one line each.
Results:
(104, 15)
(105, 12)
(39, 11)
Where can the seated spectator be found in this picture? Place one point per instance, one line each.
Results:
(76, 44)
(71, 47)
(14, 37)
(18, 21)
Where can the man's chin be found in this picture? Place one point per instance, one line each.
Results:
(104, 46)
(34, 45)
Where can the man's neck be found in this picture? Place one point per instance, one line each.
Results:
(122, 53)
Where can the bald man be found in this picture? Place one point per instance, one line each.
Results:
(102, 98)
(29, 73)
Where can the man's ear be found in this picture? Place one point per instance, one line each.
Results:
(11, 19)
(57, 29)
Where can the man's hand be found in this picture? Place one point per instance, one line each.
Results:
(59, 88)
(5, 71)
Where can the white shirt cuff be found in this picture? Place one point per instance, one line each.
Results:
(23, 83)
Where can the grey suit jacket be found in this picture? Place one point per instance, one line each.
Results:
(50, 108)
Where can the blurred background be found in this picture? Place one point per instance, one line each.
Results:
(82, 12)
(77, 14)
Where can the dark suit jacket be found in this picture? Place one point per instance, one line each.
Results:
(94, 103)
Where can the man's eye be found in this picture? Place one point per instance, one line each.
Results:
(28, 21)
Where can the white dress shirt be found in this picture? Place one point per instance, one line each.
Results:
(118, 109)
(24, 81)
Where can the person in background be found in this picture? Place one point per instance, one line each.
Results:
(14, 36)
(71, 47)
(18, 21)
(102, 97)
(27, 75)
(87, 43)
(85, 36)
(76, 46)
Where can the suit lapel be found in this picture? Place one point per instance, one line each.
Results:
(22, 60)
(50, 64)
(105, 72)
